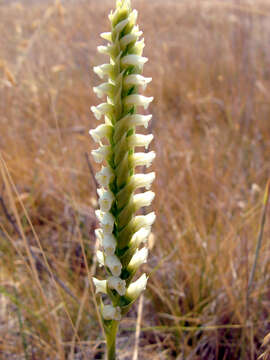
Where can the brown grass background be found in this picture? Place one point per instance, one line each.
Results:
(210, 64)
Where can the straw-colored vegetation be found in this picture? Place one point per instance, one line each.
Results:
(210, 64)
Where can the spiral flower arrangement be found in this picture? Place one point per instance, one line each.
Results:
(123, 232)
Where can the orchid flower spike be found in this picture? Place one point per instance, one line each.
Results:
(122, 230)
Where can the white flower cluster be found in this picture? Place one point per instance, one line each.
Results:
(121, 231)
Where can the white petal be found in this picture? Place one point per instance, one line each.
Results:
(106, 36)
(143, 159)
(100, 258)
(100, 132)
(144, 220)
(140, 140)
(134, 60)
(104, 176)
(121, 25)
(136, 288)
(106, 200)
(143, 199)
(99, 235)
(107, 223)
(138, 80)
(101, 153)
(103, 70)
(117, 284)
(99, 214)
(138, 259)
(102, 109)
(113, 264)
(140, 236)
(143, 180)
(104, 89)
(138, 100)
(109, 244)
(127, 39)
(101, 285)
(109, 312)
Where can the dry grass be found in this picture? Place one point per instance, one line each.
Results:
(210, 64)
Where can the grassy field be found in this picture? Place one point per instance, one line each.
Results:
(210, 64)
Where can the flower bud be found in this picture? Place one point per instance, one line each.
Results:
(136, 288)
(110, 312)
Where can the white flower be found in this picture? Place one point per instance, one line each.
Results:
(138, 259)
(99, 214)
(138, 80)
(135, 289)
(140, 236)
(135, 60)
(109, 244)
(129, 121)
(104, 89)
(143, 180)
(120, 26)
(102, 109)
(100, 132)
(103, 70)
(111, 313)
(104, 176)
(113, 264)
(101, 153)
(106, 200)
(143, 199)
(144, 220)
(140, 140)
(107, 223)
(138, 100)
(129, 38)
(99, 235)
(143, 159)
(117, 284)
(100, 258)
(106, 36)
(101, 285)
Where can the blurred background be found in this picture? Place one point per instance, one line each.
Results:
(210, 64)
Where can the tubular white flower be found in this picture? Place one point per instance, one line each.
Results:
(140, 140)
(111, 313)
(134, 60)
(137, 287)
(103, 70)
(99, 235)
(140, 237)
(101, 154)
(101, 286)
(106, 200)
(102, 109)
(138, 80)
(117, 284)
(100, 132)
(100, 258)
(138, 100)
(104, 89)
(143, 199)
(109, 244)
(143, 180)
(138, 259)
(99, 214)
(143, 159)
(107, 223)
(144, 220)
(106, 36)
(113, 264)
(105, 176)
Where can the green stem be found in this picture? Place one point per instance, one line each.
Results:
(111, 340)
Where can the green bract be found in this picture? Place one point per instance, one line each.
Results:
(122, 232)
